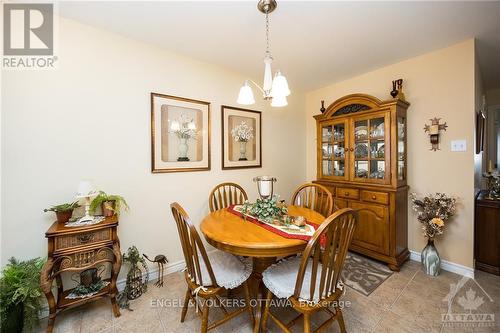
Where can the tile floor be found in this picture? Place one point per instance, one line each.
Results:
(409, 301)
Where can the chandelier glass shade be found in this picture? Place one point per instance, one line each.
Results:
(245, 97)
(275, 88)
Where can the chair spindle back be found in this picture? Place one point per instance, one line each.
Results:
(315, 197)
(192, 247)
(225, 195)
(328, 247)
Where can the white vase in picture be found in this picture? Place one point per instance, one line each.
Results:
(183, 149)
(243, 151)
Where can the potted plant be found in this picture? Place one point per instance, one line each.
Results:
(110, 204)
(63, 211)
(432, 212)
(135, 285)
(20, 294)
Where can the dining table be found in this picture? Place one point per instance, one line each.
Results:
(233, 234)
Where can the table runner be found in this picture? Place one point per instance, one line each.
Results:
(234, 209)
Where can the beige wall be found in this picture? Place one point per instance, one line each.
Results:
(90, 118)
(438, 84)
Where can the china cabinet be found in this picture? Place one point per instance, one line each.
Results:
(361, 158)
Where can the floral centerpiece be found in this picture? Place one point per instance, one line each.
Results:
(432, 212)
(266, 210)
(242, 133)
(184, 128)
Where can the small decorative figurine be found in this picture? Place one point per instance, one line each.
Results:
(433, 130)
(394, 91)
(493, 184)
(401, 94)
(397, 89)
(322, 107)
(161, 260)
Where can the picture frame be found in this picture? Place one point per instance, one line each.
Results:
(241, 138)
(180, 134)
(480, 131)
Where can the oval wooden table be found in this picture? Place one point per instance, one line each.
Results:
(230, 233)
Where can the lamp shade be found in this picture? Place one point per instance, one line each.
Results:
(85, 189)
(245, 97)
(279, 102)
(280, 86)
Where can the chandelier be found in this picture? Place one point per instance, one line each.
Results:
(274, 89)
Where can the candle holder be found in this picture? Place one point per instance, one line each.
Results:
(265, 186)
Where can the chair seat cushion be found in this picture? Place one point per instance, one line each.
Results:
(229, 270)
(280, 279)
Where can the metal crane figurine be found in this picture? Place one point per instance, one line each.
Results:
(160, 260)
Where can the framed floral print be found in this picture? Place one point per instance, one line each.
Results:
(241, 138)
(180, 134)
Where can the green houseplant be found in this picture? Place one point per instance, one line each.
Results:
(110, 204)
(20, 294)
(135, 285)
(63, 211)
(265, 210)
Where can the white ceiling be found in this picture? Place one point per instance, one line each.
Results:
(313, 43)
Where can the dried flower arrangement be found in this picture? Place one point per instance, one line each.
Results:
(184, 127)
(242, 132)
(433, 211)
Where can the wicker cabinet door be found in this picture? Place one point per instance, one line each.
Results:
(372, 231)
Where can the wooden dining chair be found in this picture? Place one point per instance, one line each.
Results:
(315, 197)
(225, 195)
(208, 276)
(316, 274)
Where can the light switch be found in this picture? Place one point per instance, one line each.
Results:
(458, 145)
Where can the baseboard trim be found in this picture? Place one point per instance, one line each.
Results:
(447, 265)
(153, 273)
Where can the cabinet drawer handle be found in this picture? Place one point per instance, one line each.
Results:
(346, 194)
(85, 238)
(374, 197)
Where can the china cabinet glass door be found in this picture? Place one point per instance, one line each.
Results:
(333, 150)
(370, 155)
(401, 149)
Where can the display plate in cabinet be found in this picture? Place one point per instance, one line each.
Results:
(376, 197)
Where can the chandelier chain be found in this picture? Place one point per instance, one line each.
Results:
(267, 35)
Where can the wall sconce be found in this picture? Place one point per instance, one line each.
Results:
(433, 130)
(265, 186)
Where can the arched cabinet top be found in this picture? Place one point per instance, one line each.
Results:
(355, 103)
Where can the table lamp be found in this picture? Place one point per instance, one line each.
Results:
(86, 191)
(265, 186)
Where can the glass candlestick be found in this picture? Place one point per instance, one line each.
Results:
(265, 186)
